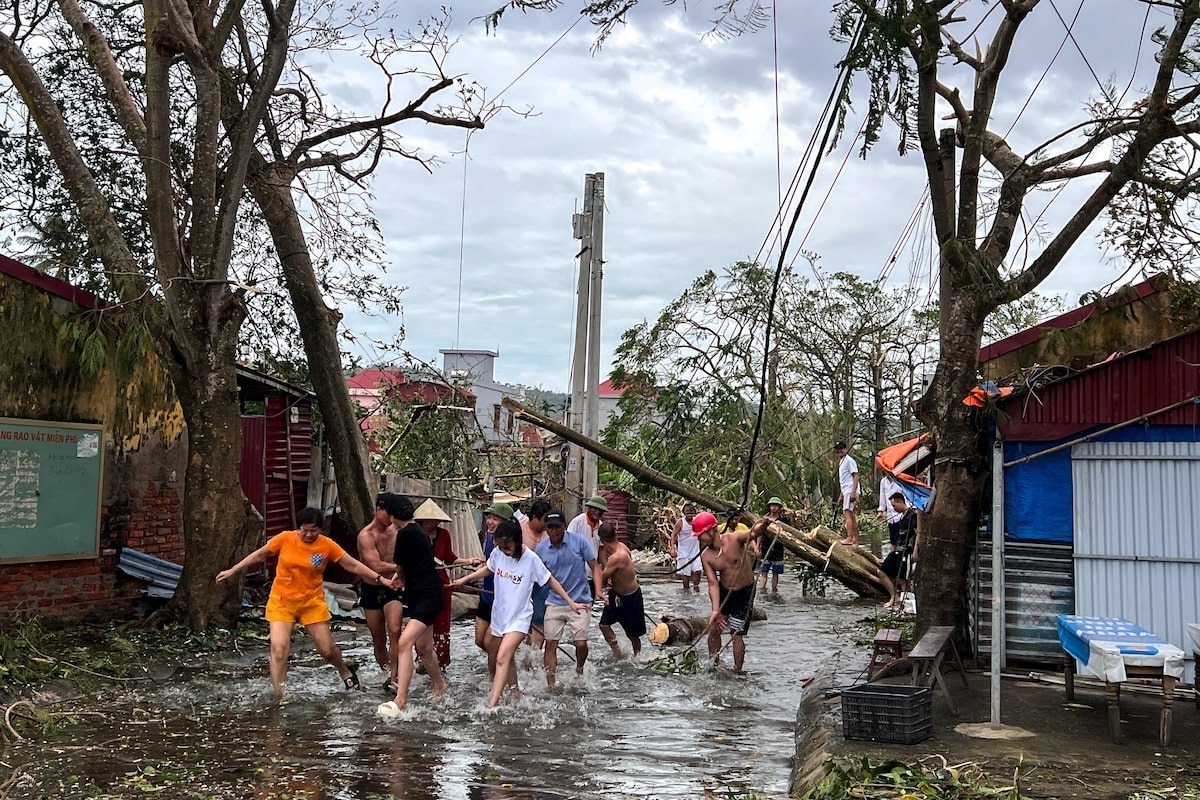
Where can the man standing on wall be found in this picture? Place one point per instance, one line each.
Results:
(847, 492)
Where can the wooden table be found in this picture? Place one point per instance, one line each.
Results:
(1115, 650)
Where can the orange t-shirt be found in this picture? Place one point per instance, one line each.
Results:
(299, 574)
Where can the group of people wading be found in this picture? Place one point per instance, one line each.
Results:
(539, 579)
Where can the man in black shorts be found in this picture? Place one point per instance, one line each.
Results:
(726, 562)
(625, 605)
(381, 605)
(898, 562)
(423, 599)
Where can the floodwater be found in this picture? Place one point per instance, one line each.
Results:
(208, 731)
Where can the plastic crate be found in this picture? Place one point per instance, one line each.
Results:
(880, 712)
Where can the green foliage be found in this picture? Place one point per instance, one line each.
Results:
(842, 352)
(684, 662)
(929, 779)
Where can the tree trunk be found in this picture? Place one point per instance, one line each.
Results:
(270, 185)
(220, 524)
(686, 630)
(960, 471)
(857, 569)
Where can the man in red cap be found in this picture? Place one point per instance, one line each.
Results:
(726, 565)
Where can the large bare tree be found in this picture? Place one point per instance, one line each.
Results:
(196, 114)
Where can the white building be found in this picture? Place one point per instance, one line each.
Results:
(475, 369)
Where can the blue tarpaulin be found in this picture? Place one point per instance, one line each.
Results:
(1038, 493)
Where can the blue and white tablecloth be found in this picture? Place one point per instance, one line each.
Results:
(1104, 646)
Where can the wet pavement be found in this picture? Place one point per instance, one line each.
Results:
(209, 731)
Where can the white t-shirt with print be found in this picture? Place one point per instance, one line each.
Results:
(514, 580)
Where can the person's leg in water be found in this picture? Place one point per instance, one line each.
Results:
(776, 571)
(739, 651)
(505, 666)
(714, 644)
(379, 635)
(762, 581)
(281, 646)
(427, 652)
(413, 631)
(393, 618)
(485, 642)
(322, 638)
(610, 637)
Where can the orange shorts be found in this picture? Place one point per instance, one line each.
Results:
(306, 612)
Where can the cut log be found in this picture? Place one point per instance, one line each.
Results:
(857, 569)
(685, 630)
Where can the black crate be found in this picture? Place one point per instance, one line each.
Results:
(882, 712)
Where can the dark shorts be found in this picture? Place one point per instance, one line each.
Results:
(772, 566)
(539, 603)
(895, 566)
(484, 611)
(894, 532)
(735, 606)
(374, 598)
(424, 605)
(626, 610)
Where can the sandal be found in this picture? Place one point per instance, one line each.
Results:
(352, 681)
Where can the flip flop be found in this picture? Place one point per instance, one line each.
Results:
(352, 681)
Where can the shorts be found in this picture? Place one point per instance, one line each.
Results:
(306, 612)
(894, 533)
(628, 611)
(772, 566)
(735, 606)
(847, 503)
(374, 598)
(540, 593)
(895, 566)
(563, 624)
(484, 610)
(424, 605)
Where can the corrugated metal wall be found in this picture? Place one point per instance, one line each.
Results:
(1037, 583)
(464, 526)
(1137, 515)
(288, 461)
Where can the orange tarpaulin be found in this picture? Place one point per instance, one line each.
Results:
(907, 459)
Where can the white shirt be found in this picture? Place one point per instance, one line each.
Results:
(581, 526)
(887, 488)
(512, 609)
(847, 469)
(687, 547)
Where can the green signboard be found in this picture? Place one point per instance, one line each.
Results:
(50, 483)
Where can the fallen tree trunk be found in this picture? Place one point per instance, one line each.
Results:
(857, 569)
(685, 630)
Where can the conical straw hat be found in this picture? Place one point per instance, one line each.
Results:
(431, 510)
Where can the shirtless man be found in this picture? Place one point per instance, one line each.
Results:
(381, 605)
(624, 604)
(730, 582)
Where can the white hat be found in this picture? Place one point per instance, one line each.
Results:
(431, 510)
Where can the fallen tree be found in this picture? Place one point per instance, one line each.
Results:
(857, 569)
(687, 630)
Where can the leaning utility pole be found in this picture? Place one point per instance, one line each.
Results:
(584, 412)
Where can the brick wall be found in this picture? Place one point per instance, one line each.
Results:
(146, 517)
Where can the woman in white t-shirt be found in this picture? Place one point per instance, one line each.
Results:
(516, 570)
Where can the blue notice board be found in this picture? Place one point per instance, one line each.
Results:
(50, 483)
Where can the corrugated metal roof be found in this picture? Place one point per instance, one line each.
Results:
(1109, 393)
(162, 575)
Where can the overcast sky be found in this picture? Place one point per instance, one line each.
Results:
(683, 126)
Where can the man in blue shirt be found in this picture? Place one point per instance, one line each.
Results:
(572, 560)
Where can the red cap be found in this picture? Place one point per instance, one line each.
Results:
(702, 523)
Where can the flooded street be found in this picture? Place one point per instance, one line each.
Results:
(208, 731)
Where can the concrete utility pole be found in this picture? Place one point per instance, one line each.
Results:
(581, 225)
(591, 419)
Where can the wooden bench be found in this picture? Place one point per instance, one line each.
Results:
(887, 651)
(927, 656)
